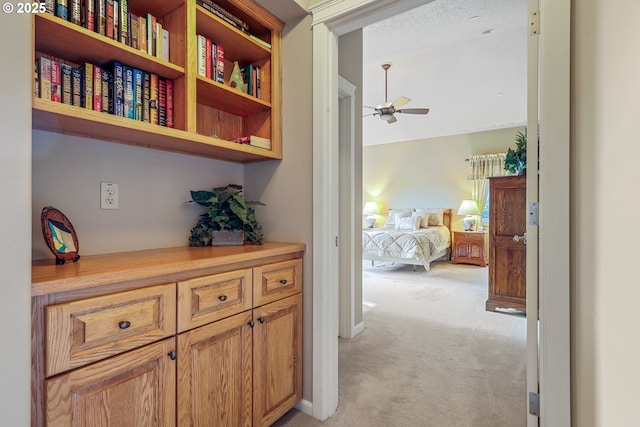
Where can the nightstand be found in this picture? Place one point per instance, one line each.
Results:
(470, 247)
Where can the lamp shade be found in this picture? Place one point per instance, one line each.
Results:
(469, 207)
(370, 208)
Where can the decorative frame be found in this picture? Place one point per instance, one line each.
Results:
(59, 235)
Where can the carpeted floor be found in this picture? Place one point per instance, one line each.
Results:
(430, 355)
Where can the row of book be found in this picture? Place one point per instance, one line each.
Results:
(115, 89)
(254, 140)
(210, 59)
(224, 14)
(113, 19)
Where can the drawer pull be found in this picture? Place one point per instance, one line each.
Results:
(252, 323)
(283, 281)
(172, 355)
(261, 319)
(222, 297)
(124, 324)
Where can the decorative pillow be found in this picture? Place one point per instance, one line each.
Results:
(401, 213)
(431, 216)
(408, 223)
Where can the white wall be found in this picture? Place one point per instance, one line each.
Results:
(15, 187)
(429, 172)
(153, 186)
(604, 173)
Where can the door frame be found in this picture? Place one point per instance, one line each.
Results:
(333, 18)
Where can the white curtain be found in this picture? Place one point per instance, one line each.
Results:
(481, 167)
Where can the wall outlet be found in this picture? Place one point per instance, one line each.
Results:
(109, 195)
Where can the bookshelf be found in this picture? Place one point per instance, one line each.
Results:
(207, 115)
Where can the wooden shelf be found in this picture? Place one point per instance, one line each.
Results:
(228, 99)
(55, 117)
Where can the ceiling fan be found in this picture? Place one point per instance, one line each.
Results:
(386, 110)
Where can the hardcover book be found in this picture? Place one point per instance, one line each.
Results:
(45, 77)
(162, 102)
(75, 15)
(157, 34)
(66, 84)
(107, 91)
(87, 74)
(129, 88)
(138, 94)
(62, 9)
(202, 55)
(219, 64)
(123, 20)
(110, 25)
(77, 87)
(165, 45)
(97, 88)
(151, 29)
(153, 99)
(55, 81)
(169, 122)
(118, 89)
(210, 58)
(142, 33)
(101, 16)
(135, 32)
(146, 96)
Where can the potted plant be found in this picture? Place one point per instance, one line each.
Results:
(229, 219)
(516, 161)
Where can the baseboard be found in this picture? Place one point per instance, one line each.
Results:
(358, 328)
(305, 406)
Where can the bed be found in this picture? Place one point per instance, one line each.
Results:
(415, 236)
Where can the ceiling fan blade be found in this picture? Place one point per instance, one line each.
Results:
(403, 100)
(370, 114)
(413, 111)
(392, 119)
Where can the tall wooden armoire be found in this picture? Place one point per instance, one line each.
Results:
(507, 257)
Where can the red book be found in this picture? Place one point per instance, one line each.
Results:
(56, 87)
(209, 59)
(219, 77)
(97, 88)
(169, 87)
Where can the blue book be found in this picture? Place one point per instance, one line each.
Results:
(129, 93)
(118, 89)
(138, 92)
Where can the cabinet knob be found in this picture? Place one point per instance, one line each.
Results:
(172, 355)
(261, 319)
(222, 297)
(252, 323)
(124, 324)
(283, 281)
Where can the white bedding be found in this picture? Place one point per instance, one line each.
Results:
(419, 246)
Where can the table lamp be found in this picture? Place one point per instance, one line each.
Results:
(370, 209)
(470, 209)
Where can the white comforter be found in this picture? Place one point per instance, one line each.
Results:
(411, 247)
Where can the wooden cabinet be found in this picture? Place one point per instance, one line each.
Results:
(470, 247)
(507, 258)
(168, 337)
(207, 115)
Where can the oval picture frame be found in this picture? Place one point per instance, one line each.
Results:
(59, 235)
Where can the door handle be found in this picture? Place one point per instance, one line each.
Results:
(517, 238)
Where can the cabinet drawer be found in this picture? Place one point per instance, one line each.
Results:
(83, 331)
(206, 299)
(274, 281)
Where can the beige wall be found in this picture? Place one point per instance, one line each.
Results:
(429, 172)
(604, 174)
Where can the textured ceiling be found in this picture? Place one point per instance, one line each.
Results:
(463, 59)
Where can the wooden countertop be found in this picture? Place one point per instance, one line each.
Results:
(97, 270)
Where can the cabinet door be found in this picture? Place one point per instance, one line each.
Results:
(214, 365)
(134, 389)
(277, 359)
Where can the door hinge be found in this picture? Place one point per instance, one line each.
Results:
(534, 404)
(533, 213)
(336, 241)
(534, 23)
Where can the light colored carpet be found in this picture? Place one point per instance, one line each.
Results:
(430, 355)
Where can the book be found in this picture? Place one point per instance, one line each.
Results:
(151, 28)
(165, 45)
(210, 57)
(87, 76)
(75, 12)
(224, 14)
(45, 77)
(65, 83)
(116, 20)
(247, 72)
(97, 88)
(153, 99)
(157, 34)
(62, 9)
(142, 36)
(36, 78)
(260, 41)
(202, 55)
(219, 64)
(76, 87)
(135, 31)
(258, 94)
(169, 85)
(123, 20)
(118, 89)
(162, 101)
(110, 11)
(254, 140)
(146, 96)
(138, 94)
(55, 81)
(90, 16)
(50, 6)
(101, 16)
(129, 101)
(107, 91)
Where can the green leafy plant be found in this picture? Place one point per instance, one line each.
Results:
(227, 210)
(516, 161)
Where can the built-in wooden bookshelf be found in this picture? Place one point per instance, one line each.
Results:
(207, 115)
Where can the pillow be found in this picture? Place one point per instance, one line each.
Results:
(431, 216)
(408, 223)
(401, 213)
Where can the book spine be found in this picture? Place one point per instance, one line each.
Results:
(76, 87)
(220, 64)
(165, 45)
(107, 92)
(90, 15)
(162, 102)
(118, 89)
(87, 72)
(153, 99)
(110, 11)
(137, 93)
(210, 58)
(157, 34)
(36, 78)
(169, 87)
(247, 71)
(202, 56)
(123, 20)
(146, 96)
(129, 106)
(97, 88)
(55, 81)
(135, 32)
(50, 6)
(116, 20)
(151, 25)
(101, 17)
(142, 36)
(258, 93)
(65, 82)
(62, 9)
(45, 78)
(75, 15)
